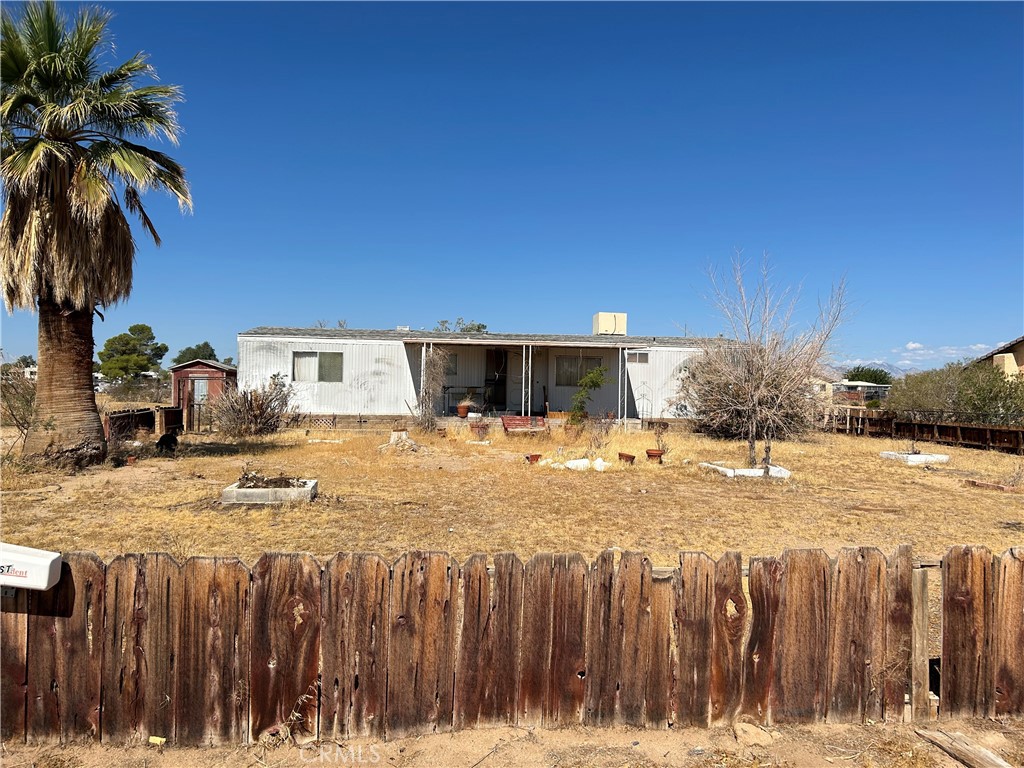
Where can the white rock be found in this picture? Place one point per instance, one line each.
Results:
(578, 464)
(773, 471)
(750, 735)
(913, 459)
(557, 465)
(600, 464)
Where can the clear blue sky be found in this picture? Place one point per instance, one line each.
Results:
(526, 165)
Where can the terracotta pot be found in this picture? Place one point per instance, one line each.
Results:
(629, 458)
(462, 410)
(655, 454)
(533, 458)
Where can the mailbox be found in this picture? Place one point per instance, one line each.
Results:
(28, 568)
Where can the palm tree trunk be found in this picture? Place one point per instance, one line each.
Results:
(66, 427)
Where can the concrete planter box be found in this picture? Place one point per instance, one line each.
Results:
(780, 473)
(235, 495)
(913, 459)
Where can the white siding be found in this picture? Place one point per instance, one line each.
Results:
(602, 400)
(378, 378)
(655, 384)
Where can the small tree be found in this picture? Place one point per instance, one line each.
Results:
(979, 393)
(202, 351)
(869, 374)
(460, 326)
(17, 399)
(756, 386)
(593, 379)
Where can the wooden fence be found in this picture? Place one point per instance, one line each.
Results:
(213, 652)
(878, 423)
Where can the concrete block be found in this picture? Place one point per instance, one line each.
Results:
(235, 495)
(914, 459)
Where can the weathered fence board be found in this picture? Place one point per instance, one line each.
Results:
(355, 600)
(421, 647)
(535, 659)
(898, 634)
(285, 647)
(211, 706)
(660, 700)
(798, 693)
(967, 679)
(212, 652)
(1008, 640)
(488, 665)
(764, 581)
(568, 669)
(695, 600)
(13, 670)
(857, 636)
(730, 622)
(65, 626)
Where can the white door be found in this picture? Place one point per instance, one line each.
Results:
(514, 387)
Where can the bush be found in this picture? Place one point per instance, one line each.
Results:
(260, 411)
(17, 400)
(976, 393)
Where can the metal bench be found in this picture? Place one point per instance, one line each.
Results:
(523, 424)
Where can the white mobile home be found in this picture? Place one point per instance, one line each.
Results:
(378, 373)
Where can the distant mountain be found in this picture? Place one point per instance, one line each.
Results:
(893, 370)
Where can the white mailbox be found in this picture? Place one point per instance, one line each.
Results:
(28, 568)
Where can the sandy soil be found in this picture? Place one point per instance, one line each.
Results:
(893, 746)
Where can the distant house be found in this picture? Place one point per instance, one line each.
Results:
(31, 372)
(859, 392)
(1008, 358)
(334, 371)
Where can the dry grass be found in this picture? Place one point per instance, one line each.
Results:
(471, 498)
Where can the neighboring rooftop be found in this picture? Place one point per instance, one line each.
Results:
(413, 336)
(1000, 350)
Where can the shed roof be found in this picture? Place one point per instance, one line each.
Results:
(542, 339)
(211, 363)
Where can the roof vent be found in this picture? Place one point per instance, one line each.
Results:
(610, 324)
(404, 328)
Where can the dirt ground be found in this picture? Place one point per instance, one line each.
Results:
(462, 498)
(892, 746)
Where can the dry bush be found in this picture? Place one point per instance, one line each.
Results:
(432, 387)
(252, 412)
(17, 400)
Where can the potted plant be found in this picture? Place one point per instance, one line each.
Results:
(655, 454)
(463, 406)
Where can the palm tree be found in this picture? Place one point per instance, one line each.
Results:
(70, 171)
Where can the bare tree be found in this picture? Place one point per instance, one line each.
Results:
(756, 385)
(435, 374)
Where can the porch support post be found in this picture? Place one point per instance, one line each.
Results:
(522, 403)
(529, 385)
(620, 389)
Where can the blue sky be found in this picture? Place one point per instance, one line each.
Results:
(528, 164)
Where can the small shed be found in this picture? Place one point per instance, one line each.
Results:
(195, 383)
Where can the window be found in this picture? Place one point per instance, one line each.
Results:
(636, 357)
(569, 370)
(317, 366)
(452, 368)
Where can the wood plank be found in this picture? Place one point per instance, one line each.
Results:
(285, 647)
(13, 666)
(535, 659)
(764, 583)
(633, 596)
(729, 625)
(65, 665)
(487, 671)
(123, 652)
(355, 599)
(798, 693)
(604, 643)
(857, 619)
(898, 633)
(421, 655)
(958, 746)
(568, 668)
(1008, 640)
(694, 629)
(967, 591)
(660, 701)
(160, 595)
(213, 658)
(919, 701)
